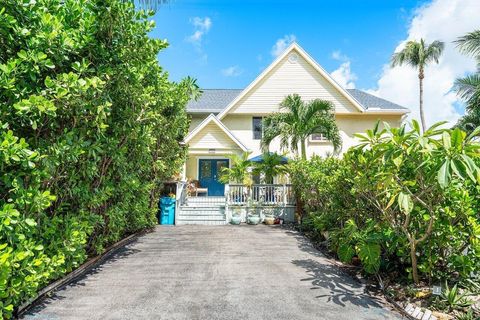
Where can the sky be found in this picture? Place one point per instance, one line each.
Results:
(226, 44)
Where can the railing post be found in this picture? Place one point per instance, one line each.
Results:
(227, 200)
(178, 198)
(285, 195)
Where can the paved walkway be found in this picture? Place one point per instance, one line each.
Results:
(215, 272)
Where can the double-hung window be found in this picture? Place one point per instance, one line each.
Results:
(257, 128)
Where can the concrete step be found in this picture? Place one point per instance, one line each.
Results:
(201, 210)
(201, 213)
(200, 204)
(201, 222)
(218, 217)
(205, 201)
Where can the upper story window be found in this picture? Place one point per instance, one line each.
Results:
(318, 137)
(257, 128)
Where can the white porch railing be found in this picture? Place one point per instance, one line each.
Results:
(264, 194)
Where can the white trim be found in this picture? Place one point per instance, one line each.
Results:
(214, 119)
(313, 63)
(387, 111)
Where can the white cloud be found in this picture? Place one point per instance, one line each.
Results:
(282, 44)
(233, 71)
(338, 55)
(343, 75)
(443, 20)
(202, 24)
(201, 27)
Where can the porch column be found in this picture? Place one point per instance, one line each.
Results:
(184, 172)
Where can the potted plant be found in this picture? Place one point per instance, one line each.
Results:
(269, 216)
(236, 217)
(253, 217)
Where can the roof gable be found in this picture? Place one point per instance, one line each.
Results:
(211, 133)
(315, 77)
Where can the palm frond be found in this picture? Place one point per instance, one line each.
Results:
(434, 51)
(469, 43)
(273, 126)
(152, 4)
(299, 120)
(468, 89)
(418, 54)
(410, 55)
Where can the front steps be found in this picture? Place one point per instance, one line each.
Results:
(202, 210)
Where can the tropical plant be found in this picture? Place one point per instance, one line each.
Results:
(89, 127)
(468, 87)
(413, 170)
(418, 55)
(271, 165)
(297, 121)
(414, 196)
(239, 170)
(451, 298)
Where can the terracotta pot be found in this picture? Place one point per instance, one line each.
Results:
(269, 220)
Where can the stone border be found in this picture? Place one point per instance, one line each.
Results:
(80, 271)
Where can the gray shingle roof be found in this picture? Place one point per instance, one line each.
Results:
(369, 101)
(215, 100)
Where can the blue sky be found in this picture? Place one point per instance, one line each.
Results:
(238, 36)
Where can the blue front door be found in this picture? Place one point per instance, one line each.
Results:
(209, 171)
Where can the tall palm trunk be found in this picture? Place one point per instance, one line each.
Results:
(304, 149)
(422, 114)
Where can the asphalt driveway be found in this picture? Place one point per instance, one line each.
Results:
(215, 272)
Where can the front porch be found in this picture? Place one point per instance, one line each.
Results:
(261, 199)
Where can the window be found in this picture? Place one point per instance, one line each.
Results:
(257, 128)
(318, 137)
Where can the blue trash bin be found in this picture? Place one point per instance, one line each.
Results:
(167, 210)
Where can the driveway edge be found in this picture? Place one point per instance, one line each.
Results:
(80, 271)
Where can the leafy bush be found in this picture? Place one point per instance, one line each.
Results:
(89, 126)
(401, 199)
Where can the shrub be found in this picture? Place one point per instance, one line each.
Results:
(403, 197)
(89, 126)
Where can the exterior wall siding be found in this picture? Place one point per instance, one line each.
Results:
(288, 78)
(212, 137)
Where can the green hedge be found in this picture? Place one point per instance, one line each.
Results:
(401, 202)
(89, 126)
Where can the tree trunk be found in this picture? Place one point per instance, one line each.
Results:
(413, 257)
(422, 115)
(304, 150)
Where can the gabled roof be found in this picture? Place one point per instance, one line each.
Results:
(213, 119)
(292, 47)
(373, 103)
(215, 100)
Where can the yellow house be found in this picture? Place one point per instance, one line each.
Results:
(229, 121)
(226, 121)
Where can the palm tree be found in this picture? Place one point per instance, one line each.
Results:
(297, 121)
(468, 88)
(418, 55)
(238, 172)
(272, 165)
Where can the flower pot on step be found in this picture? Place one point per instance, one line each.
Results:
(269, 220)
(253, 219)
(236, 220)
